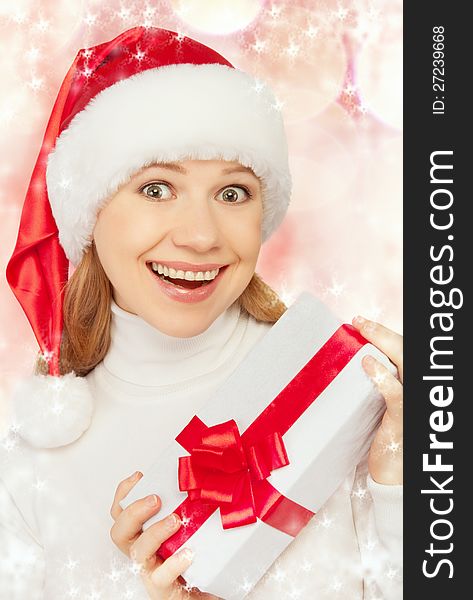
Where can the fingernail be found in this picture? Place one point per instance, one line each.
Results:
(135, 475)
(152, 500)
(368, 360)
(173, 520)
(186, 554)
(358, 320)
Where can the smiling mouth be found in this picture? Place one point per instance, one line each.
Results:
(189, 280)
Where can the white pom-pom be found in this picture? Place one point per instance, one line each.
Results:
(52, 411)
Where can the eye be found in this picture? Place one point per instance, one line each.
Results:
(232, 194)
(154, 191)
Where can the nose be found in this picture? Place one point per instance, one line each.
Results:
(197, 226)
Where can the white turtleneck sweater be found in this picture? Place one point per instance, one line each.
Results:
(54, 503)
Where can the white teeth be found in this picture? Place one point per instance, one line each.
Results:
(188, 275)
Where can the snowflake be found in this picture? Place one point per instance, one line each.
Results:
(33, 54)
(295, 593)
(9, 443)
(363, 27)
(19, 17)
(182, 9)
(326, 522)
(373, 13)
(393, 447)
(149, 12)
(185, 521)
(278, 106)
(39, 485)
(47, 355)
(42, 25)
(287, 296)
(246, 586)
(71, 564)
(279, 574)
(360, 492)
(134, 567)
(65, 184)
(14, 428)
(57, 384)
(124, 13)
(275, 11)
(306, 566)
(342, 14)
(370, 544)
(336, 585)
(36, 83)
(90, 19)
(293, 49)
(114, 575)
(312, 32)
(375, 312)
(259, 86)
(259, 46)
(336, 289)
(350, 89)
(139, 55)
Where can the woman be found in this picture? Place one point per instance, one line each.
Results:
(163, 178)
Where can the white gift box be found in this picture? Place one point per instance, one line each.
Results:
(323, 445)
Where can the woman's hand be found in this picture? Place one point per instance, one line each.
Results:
(162, 579)
(386, 452)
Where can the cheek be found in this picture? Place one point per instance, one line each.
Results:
(243, 233)
(120, 236)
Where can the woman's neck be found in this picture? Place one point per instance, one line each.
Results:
(142, 355)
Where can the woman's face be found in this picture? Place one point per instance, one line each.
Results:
(205, 214)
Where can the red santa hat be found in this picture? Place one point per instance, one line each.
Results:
(149, 95)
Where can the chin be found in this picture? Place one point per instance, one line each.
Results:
(183, 327)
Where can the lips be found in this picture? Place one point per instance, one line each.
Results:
(184, 290)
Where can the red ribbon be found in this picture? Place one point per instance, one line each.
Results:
(222, 468)
(229, 471)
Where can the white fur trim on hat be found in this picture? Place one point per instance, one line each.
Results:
(52, 411)
(165, 114)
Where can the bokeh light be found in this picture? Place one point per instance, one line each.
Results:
(217, 16)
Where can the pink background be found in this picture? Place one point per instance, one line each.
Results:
(336, 69)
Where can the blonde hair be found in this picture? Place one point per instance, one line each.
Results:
(87, 314)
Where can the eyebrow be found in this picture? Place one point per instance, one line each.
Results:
(176, 167)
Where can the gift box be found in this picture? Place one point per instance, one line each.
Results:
(272, 444)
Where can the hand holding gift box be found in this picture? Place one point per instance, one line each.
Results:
(249, 471)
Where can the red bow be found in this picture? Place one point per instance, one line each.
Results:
(222, 468)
